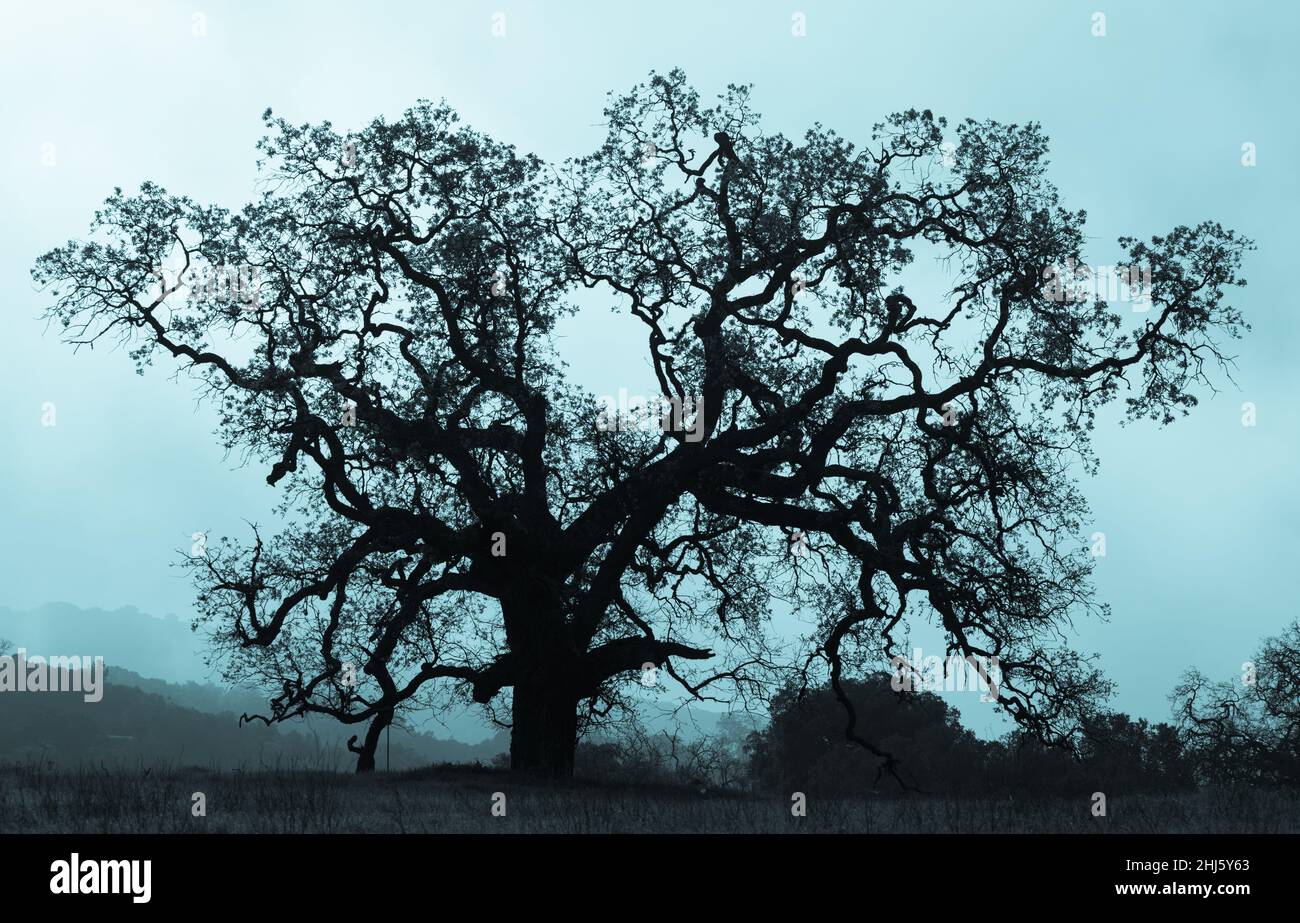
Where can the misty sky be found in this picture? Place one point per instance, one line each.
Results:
(1147, 126)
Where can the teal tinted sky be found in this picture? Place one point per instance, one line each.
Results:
(1147, 126)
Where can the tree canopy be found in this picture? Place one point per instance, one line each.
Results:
(378, 330)
(1246, 729)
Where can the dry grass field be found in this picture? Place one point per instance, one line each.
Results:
(35, 799)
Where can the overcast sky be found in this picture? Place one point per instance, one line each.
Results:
(1147, 125)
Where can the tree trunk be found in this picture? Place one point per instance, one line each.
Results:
(544, 731)
(366, 752)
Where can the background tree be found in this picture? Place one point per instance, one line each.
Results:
(1246, 729)
(804, 747)
(461, 520)
(1118, 753)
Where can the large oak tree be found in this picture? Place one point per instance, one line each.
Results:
(379, 329)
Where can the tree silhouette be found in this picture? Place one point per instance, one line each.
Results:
(1246, 729)
(804, 748)
(379, 329)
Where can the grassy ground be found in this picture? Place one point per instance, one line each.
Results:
(459, 800)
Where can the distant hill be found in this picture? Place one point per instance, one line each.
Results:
(166, 648)
(205, 697)
(148, 721)
(155, 665)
